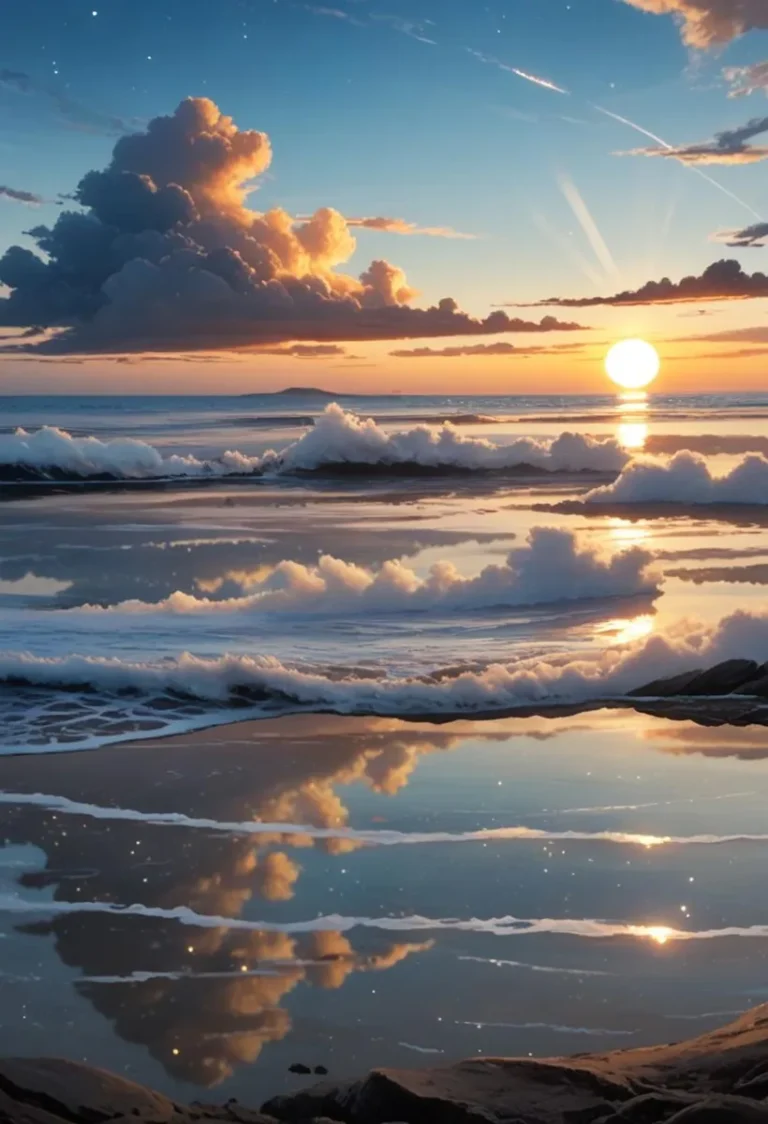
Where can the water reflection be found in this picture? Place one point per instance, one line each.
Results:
(323, 963)
(206, 1004)
(632, 432)
(626, 533)
(633, 435)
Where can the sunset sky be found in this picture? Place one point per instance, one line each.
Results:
(506, 152)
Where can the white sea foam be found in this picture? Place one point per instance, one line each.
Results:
(54, 451)
(370, 837)
(586, 928)
(545, 968)
(556, 1028)
(553, 566)
(265, 685)
(342, 438)
(338, 438)
(686, 479)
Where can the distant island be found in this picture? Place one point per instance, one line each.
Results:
(298, 392)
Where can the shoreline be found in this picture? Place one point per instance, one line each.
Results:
(720, 1077)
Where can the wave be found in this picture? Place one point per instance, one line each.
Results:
(73, 702)
(53, 454)
(338, 441)
(341, 439)
(552, 567)
(686, 479)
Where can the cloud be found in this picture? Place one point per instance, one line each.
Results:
(553, 566)
(746, 80)
(754, 236)
(20, 196)
(499, 348)
(728, 147)
(73, 113)
(723, 280)
(166, 256)
(686, 479)
(401, 226)
(305, 350)
(414, 29)
(710, 23)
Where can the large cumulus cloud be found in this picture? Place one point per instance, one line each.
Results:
(710, 23)
(165, 255)
(723, 280)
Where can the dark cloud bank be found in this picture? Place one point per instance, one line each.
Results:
(723, 280)
(165, 255)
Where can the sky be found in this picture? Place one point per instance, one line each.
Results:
(497, 155)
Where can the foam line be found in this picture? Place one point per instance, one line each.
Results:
(371, 837)
(508, 926)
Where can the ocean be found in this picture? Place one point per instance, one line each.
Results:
(313, 745)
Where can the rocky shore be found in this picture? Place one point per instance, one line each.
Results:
(718, 1078)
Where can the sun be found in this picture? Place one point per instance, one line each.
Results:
(632, 364)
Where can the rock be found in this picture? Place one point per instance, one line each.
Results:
(66, 1089)
(650, 1108)
(321, 1069)
(723, 679)
(666, 688)
(54, 1091)
(722, 1110)
(643, 1086)
(717, 1078)
(758, 686)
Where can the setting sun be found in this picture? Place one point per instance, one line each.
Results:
(632, 364)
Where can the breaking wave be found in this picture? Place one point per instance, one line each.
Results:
(53, 454)
(342, 439)
(686, 479)
(338, 440)
(73, 702)
(552, 567)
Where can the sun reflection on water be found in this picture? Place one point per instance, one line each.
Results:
(625, 533)
(633, 435)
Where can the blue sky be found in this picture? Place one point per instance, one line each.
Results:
(367, 117)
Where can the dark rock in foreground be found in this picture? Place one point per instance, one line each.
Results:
(718, 1078)
(732, 677)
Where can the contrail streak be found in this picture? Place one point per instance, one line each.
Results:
(587, 223)
(667, 145)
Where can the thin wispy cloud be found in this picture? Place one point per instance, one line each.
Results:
(414, 29)
(388, 225)
(665, 144)
(731, 146)
(481, 349)
(401, 226)
(746, 80)
(72, 112)
(754, 236)
(17, 196)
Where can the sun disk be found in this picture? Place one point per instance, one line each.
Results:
(632, 364)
